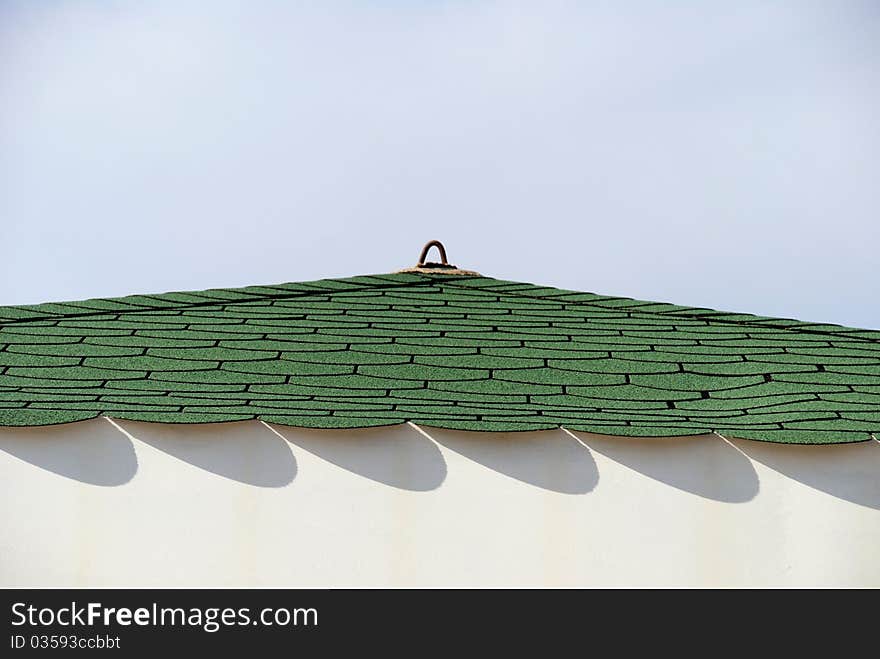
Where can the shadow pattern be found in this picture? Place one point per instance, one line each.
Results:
(398, 456)
(705, 465)
(247, 452)
(847, 471)
(551, 460)
(92, 452)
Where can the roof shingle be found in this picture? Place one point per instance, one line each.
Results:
(453, 351)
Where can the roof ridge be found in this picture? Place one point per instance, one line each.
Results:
(212, 302)
(845, 331)
(796, 327)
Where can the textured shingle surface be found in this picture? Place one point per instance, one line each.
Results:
(464, 352)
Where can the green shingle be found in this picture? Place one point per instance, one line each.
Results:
(213, 354)
(331, 422)
(149, 363)
(47, 375)
(450, 351)
(28, 417)
(695, 381)
(495, 387)
(478, 361)
(289, 368)
(614, 365)
(75, 350)
(10, 358)
(352, 357)
(555, 376)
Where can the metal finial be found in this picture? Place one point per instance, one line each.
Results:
(440, 248)
(443, 268)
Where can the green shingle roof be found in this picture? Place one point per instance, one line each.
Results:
(443, 350)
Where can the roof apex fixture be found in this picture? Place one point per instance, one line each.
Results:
(443, 268)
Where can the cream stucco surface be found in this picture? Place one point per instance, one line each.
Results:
(132, 504)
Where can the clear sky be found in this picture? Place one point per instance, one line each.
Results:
(714, 154)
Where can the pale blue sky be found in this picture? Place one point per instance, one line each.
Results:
(715, 154)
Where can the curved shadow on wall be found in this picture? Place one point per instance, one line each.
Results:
(394, 455)
(551, 460)
(705, 465)
(846, 471)
(246, 452)
(92, 452)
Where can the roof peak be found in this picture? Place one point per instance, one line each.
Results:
(430, 267)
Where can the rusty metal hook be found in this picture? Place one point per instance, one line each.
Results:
(444, 267)
(427, 248)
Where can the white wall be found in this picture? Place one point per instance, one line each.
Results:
(244, 504)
